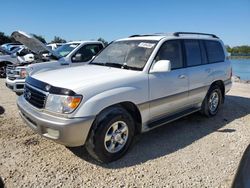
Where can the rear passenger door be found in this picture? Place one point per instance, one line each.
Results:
(198, 70)
(168, 90)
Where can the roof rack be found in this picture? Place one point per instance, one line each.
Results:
(143, 35)
(177, 34)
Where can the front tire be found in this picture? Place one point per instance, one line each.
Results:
(111, 135)
(212, 101)
(3, 71)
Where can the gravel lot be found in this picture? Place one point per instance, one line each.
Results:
(192, 152)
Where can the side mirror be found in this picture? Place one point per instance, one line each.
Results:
(161, 66)
(77, 57)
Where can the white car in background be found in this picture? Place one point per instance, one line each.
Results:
(73, 53)
(20, 55)
(54, 46)
(11, 46)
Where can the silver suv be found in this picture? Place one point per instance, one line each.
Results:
(134, 85)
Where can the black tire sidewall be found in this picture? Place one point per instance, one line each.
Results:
(212, 90)
(103, 126)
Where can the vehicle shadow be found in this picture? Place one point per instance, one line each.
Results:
(176, 135)
(2, 110)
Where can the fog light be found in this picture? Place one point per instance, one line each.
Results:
(52, 133)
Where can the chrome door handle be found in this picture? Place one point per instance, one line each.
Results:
(182, 76)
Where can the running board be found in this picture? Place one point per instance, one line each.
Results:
(171, 118)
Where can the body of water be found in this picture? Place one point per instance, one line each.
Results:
(241, 68)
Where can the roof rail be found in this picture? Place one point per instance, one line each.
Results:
(177, 34)
(143, 35)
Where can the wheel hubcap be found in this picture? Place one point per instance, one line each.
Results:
(213, 101)
(2, 71)
(116, 137)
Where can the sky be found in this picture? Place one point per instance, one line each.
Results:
(113, 19)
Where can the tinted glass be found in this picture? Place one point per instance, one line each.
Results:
(65, 49)
(87, 52)
(171, 50)
(193, 52)
(203, 53)
(215, 51)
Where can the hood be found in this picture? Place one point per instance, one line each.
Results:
(44, 66)
(85, 76)
(32, 43)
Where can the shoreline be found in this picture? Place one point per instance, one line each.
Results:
(237, 79)
(239, 57)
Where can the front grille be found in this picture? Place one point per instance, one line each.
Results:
(19, 86)
(34, 97)
(11, 78)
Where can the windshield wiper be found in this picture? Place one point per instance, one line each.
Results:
(117, 65)
(125, 66)
(96, 63)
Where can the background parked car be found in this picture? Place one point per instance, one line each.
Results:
(73, 53)
(11, 46)
(19, 55)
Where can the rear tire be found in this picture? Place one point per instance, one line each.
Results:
(212, 101)
(3, 71)
(111, 135)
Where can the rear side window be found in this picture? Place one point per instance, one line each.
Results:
(215, 51)
(172, 51)
(193, 52)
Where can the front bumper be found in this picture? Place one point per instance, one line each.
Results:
(69, 132)
(15, 85)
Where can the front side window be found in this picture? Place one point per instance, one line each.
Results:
(172, 51)
(86, 53)
(65, 49)
(215, 51)
(193, 52)
(127, 54)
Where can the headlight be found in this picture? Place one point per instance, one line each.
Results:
(62, 103)
(29, 70)
(23, 73)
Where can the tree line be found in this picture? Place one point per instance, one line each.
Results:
(243, 50)
(8, 39)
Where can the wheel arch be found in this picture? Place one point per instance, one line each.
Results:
(2, 63)
(130, 107)
(220, 83)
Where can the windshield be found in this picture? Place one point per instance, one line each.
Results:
(130, 54)
(15, 50)
(65, 49)
(3, 51)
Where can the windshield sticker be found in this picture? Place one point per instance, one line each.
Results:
(146, 45)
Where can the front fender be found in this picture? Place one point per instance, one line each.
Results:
(97, 103)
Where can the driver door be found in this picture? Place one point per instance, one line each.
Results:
(168, 90)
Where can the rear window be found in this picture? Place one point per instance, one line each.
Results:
(193, 52)
(215, 51)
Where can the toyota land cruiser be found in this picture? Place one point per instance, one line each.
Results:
(134, 85)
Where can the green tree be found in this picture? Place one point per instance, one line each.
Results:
(4, 38)
(39, 37)
(58, 40)
(103, 41)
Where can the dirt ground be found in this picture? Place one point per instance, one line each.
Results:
(194, 151)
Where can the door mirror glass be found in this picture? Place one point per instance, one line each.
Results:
(77, 57)
(161, 66)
